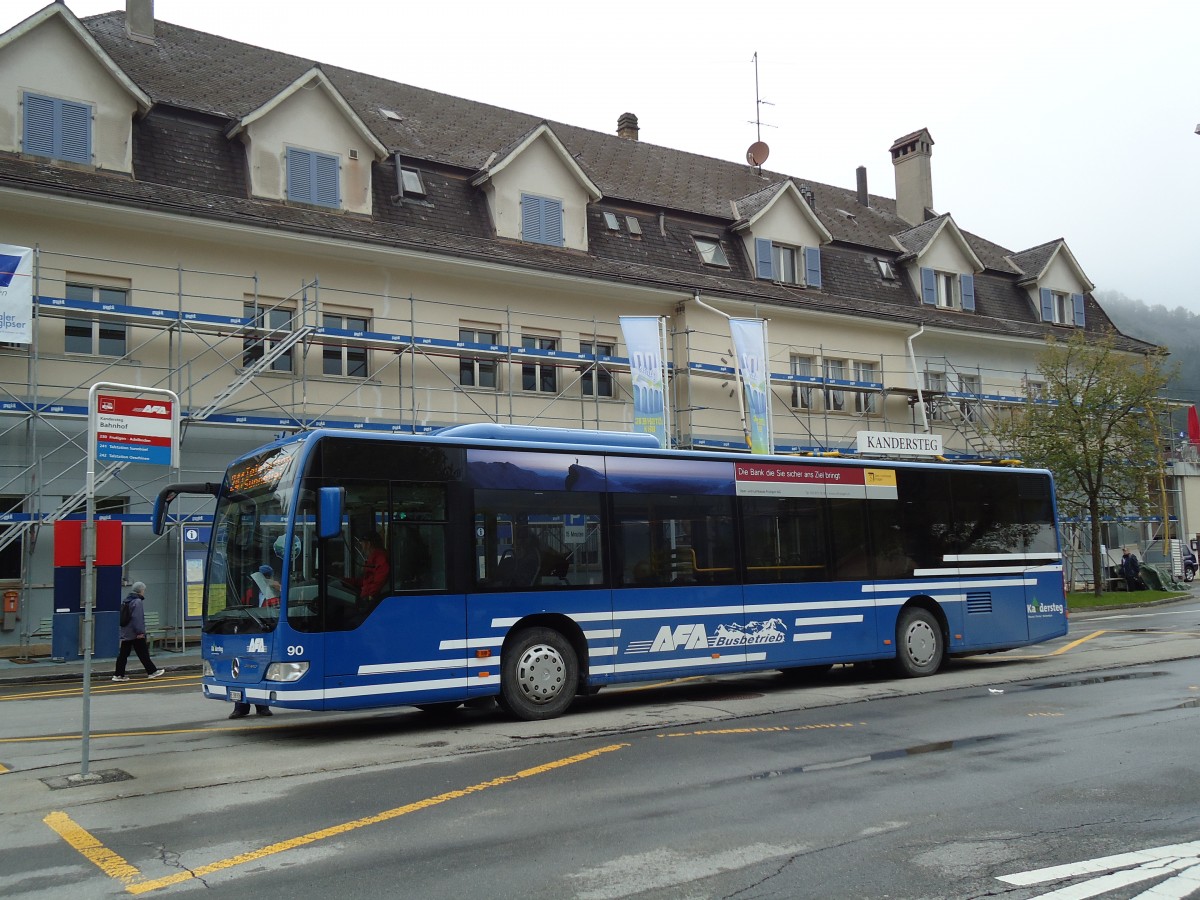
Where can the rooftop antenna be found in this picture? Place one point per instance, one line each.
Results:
(758, 152)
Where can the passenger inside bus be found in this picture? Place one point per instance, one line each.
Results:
(376, 568)
(522, 565)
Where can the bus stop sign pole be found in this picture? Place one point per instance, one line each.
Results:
(128, 426)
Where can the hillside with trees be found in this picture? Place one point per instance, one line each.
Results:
(1176, 329)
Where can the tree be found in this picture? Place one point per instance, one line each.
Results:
(1095, 426)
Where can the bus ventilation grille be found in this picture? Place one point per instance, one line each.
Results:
(979, 602)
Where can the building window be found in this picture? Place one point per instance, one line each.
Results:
(597, 380)
(610, 220)
(835, 398)
(344, 359)
(541, 220)
(711, 251)
(277, 323)
(539, 376)
(313, 178)
(865, 401)
(478, 372)
(96, 337)
(886, 271)
(1062, 308)
(947, 290)
(969, 406)
(935, 388)
(787, 265)
(802, 393)
(59, 129)
(1035, 391)
(411, 183)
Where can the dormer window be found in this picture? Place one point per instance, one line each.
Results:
(787, 264)
(541, 220)
(313, 177)
(947, 290)
(886, 270)
(1062, 308)
(710, 250)
(59, 129)
(610, 219)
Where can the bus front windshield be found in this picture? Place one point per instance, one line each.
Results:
(246, 569)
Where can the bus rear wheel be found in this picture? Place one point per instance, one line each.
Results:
(920, 645)
(539, 675)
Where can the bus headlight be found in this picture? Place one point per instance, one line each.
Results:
(286, 671)
(206, 669)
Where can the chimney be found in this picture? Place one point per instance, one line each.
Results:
(914, 181)
(627, 126)
(864, 199)
(139, 20)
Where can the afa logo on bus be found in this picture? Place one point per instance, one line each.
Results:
(694, 636)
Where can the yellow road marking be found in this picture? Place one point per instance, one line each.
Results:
(3, 769)
(116, 867)
(95, 852)
(104, 686)
(1074, 644)
(771, 730)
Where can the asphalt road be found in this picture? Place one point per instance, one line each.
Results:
(746, 786)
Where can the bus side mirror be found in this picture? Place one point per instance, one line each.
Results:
(330, 501)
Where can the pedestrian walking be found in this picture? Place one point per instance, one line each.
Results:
(133, 634)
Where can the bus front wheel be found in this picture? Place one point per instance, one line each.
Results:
(539, 675)
(920, 645)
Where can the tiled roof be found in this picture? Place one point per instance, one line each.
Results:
(202, 83)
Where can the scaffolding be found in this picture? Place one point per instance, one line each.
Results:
(250, 363)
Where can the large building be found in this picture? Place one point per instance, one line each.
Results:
(286, 244)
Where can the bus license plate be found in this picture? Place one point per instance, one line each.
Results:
(235, 696)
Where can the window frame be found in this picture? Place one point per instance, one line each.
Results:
(802, 391)
(477, 366)
(865, 402)
(345, 354)
(269, 318)
(603, 380)
(539, 372)
(95, 327)
(711, 250)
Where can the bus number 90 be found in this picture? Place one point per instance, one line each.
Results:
(295, 650)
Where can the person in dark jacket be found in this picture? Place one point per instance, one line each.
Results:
(133, 635)
(1132, 572)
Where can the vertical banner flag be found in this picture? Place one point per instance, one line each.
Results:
(644, 342)
(750, 345)
(16, 294)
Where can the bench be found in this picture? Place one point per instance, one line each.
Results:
(155, 630)
(45, 629)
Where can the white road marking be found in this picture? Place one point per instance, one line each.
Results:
(1179, 862)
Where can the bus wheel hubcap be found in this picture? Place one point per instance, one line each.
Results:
(921, 643)
(541, 673)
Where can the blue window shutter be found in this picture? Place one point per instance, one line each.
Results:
(299, 175)
(763, 259)
(531, 218)
(75, 128)
(325, 180)
(928, 287)
(812, 266)
(552, 222)
(1047, 305)
(1077, 302)
(39, 126)
(967, 285)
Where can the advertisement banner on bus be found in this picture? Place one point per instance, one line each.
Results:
(774, 480)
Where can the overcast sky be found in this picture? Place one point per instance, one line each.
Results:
(1051, 118)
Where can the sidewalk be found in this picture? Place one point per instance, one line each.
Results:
(43, 668)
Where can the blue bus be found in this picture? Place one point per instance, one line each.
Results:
(349, 570)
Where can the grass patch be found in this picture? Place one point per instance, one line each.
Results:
(1088, 600)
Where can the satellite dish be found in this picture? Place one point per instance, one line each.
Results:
(758, 153)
